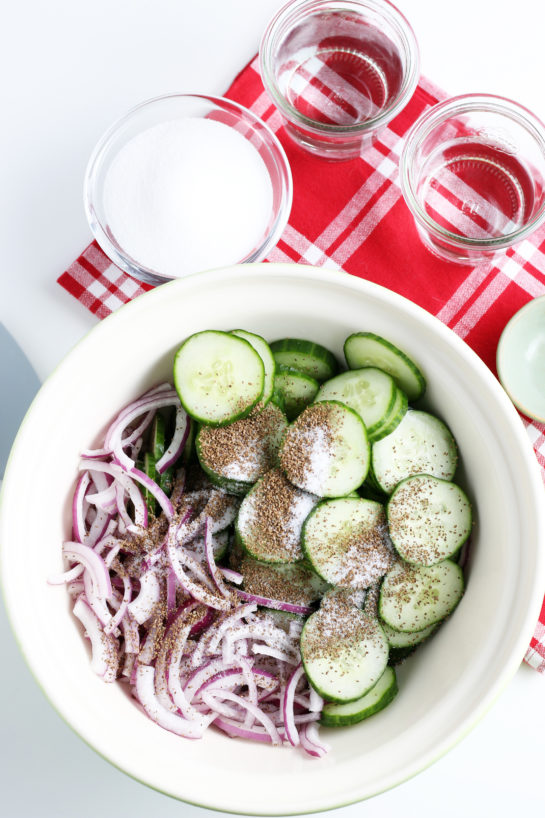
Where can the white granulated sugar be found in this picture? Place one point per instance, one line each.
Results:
(302, 504)
(319, 453)
(188, 195)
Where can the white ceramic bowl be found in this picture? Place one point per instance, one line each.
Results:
(444, 688)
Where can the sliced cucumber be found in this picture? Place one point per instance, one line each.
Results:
(294, 583)
(188, 451)
(398, 639)
(295, 388)
(421, 444)
(219, 377)
(346, 542)
(326, 451)
(220, 545)
(369, 392)
(344, 651)
(271, 517)
(414, 597)
(264, 351)
(394, 418)
(429, 519)
(308, 357)
(235, 456)
(368, 349)
(342, 715)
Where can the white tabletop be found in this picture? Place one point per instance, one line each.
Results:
(68, 69)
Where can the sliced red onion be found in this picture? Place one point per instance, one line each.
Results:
(93, 562)
(289, 693)
(264, 630)
(255, 710)
(149, 646)
(142, 606)
(115, 621)
(176, 445)
(237, 730)
(316, 703)
(171, 591)
(140, 508)
(104, 499)
(104, 648)
(75, 588)
(201, 675)
(79, 530)
(310, 741)
(174, 685)
(275, 653)
(276, 604)
(212, 567)
(232, 576)
(145, 690)
(178, 559)
(95, 602)
(220, 630)
(98, 527)
(252, 688)
(114, 436)
(155, 490)
(131, 635)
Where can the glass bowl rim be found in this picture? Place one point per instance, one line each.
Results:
(115, 252)
(466, 103)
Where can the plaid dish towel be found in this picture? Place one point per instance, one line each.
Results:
(351, 216)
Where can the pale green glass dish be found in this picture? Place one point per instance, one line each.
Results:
(520, 359)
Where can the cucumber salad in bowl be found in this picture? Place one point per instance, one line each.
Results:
(257, 546)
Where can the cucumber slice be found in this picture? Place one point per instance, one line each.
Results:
(294, 582)
(429, 519)
(326, 451)
(264, 351)
(296, 389)
(369, 392)
(395, 417)
(414, 597)
(219, 377)
(271, 517)
(421, 444)
(346, 542)
(189, 449)
(235, 456)
(398, 639)
(342, 715)
(344, 651)
(368, 349)
(308, 357)
(220, 545)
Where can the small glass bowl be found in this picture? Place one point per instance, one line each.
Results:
(181, 106)
(472, 172)
(338, 71)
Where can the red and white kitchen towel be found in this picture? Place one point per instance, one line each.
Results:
(351, 216)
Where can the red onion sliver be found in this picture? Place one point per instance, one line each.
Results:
(114, 439)
(145, 690)
(289, 693)
(310, 741)
(140, 508)
(256, 711)
(155, 490)
(176, 445)
(78, 521)
(104, 648)
(234, 729)
(93, 562)
(209, 553)
(112, 626)
(149, 595)
(232, 576)
(276, 604)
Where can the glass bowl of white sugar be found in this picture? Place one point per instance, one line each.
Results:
(185, 183)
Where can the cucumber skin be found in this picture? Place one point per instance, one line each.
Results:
(299, 346)
(225, 421)
(394, 422)
(414, 369)
(329, 719)
(292, 407)
(398, 655)
(242, 333)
